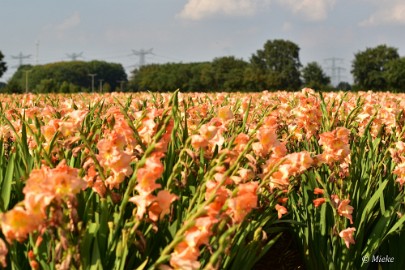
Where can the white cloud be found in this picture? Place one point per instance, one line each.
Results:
(314, 10)
(199, 9)
(69, 23)
(388, 12)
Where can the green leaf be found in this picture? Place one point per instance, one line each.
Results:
(7, 182)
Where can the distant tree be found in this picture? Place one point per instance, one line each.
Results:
(17, 83)
(2, 85)
(314, 77)
(202, 79)
(368, 67)
(12, 87)
(395, 74)
(276, 66)
(345, 86)
(228, 73)
(171, 76)
(65, 87)
(106, 88)
(111, 73)
(3, 66)
(47, 86)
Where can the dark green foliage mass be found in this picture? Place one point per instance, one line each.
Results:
(274, 67)
(65, 77)
(222, 74)
(277, 65)
(395, 74)
(314, 77)
(3, 66)
(369, 67)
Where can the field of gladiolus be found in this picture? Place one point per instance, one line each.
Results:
(201, 181)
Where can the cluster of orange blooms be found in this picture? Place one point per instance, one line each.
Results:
(44, 187)
(45, 190)
(398, 155)
(221, 201)
(231, 197)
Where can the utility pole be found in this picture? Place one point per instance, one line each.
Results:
(26, 79)
(335, 69)
(92, 75)
(20, 57)
(101, 85)
(74, 56)
(141, 53)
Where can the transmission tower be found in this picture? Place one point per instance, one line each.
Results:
(74, 56)
(20, 58)
(141, 53)
(336, 71)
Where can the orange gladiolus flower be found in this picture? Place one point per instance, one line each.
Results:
(347, 235)
(161, 206)
(344, 209)
(225, 113)
(241, 141)
(185, 257)
(318, 191)
(281, 210)
(318, 202)
(58, 182)
(335, 145)
(66, 180)
(147, 175)
(282, 200)
(208, 132)
(142, 202)
(17, 223)
(400, 172)
(198, 141)
(199, 234)
(244, 202)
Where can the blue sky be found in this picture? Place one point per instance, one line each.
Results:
(196, 30)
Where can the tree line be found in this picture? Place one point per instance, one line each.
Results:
(276, 66)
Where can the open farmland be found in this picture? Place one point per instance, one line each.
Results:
(201, 181)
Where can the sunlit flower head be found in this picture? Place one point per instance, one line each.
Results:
(347, 235)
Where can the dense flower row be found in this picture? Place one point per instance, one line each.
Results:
(260, 144)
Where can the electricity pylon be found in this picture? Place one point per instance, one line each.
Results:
(141, 53)
(335, 69)
(20, 58)
(74, 56)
